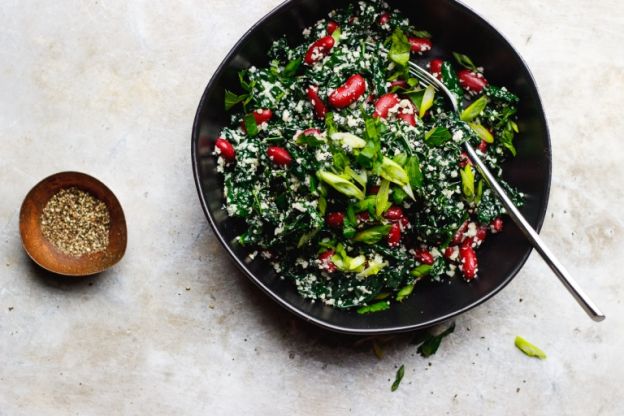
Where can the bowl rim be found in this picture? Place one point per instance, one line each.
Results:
(281, 301)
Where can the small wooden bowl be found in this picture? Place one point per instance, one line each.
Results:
(42, 252)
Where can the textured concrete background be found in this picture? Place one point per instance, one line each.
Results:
(110, 88)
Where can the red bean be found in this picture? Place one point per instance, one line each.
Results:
(496, 226)
(481, 234)
(408, 116)
(384, 18)
(450, 252)
(279, 155)
(348, 92)
(468, 259)
(373, 190)
(384, 104)
(362, 217)
(325, 260)
(318, 50)
(226, 150)
(394, 235)
(423, 256)
(311, 132)
(319, 106)
(335, 219)
(459, 235)
(404, 222)
(483, 146)
(331, 27)
(435, 67)
(387, 101)
(464, 160)
(394, 213)
(471, 81)
(398, 83)
(420, 45)
(261, 115)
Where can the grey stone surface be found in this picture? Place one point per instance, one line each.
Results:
(110, 88)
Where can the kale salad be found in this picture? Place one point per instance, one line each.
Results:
(350, 175)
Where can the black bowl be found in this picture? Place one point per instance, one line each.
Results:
(455, 28)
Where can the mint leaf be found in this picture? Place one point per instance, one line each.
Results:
(400, 48)
(250, 125)
(465, 61)
(437, 136)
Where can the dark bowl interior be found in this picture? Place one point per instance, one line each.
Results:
(455, 28)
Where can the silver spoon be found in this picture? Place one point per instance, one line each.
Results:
(536, 241)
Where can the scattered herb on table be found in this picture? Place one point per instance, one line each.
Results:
(431, 343)
(399, 376)
(529, 349)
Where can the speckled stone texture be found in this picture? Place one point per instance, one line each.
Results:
(111, 87)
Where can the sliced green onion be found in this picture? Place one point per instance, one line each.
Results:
(336, 34)
(529, 349)
(340, 184)
(427, 100)
(381, 202)
(468, 182)
(405, 292)
(421, 271)
(374, 267)
(359, 176)
(306, 237)
(372, 235)
(473, 110)
(482, 132)
(350, 140)
(375, 307)
(393, 172)
(349, 264)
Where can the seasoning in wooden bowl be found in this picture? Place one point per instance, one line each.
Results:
(76, 222)
(72, 224)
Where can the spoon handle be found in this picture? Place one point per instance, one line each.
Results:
(564, 276)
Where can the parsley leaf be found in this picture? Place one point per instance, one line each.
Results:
(399, 376)
(232, 99)
(291, 68)
(465, 61)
